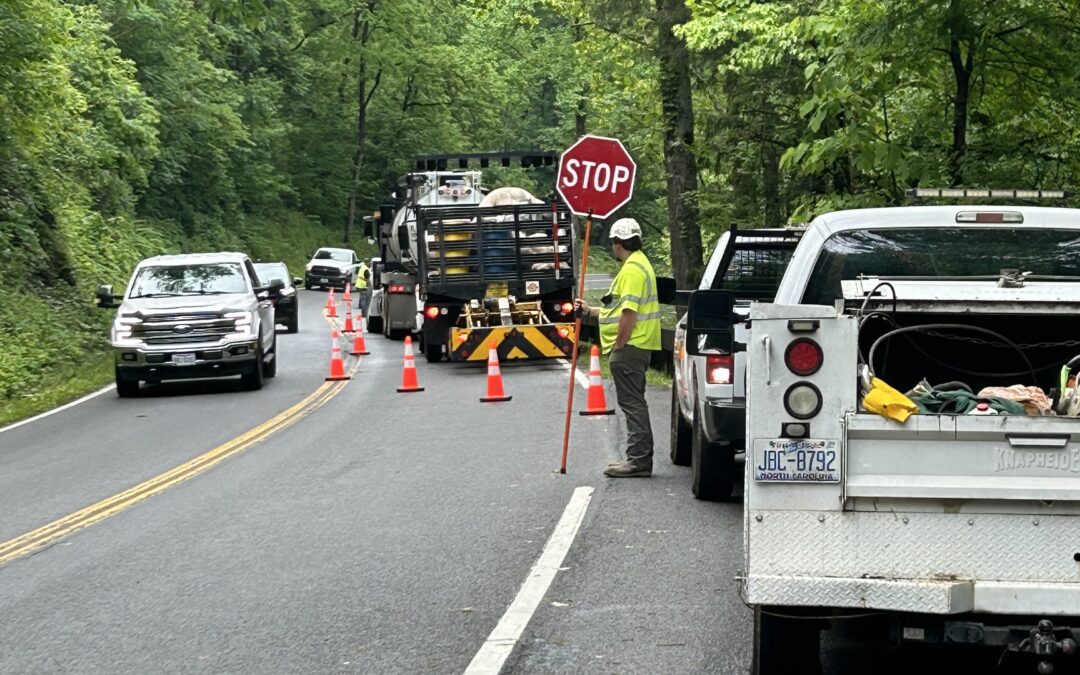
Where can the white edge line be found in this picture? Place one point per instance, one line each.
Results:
(62, 408)
(579, 375)
(501, 642)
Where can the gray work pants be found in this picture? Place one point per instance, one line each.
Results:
(628, 366)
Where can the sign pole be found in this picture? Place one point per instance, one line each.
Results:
(577, 342)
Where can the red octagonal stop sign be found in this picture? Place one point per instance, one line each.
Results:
(596, 175)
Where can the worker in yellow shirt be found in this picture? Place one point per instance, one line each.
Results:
(630, 332)
(363, 275)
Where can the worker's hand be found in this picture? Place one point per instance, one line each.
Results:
(581, 308)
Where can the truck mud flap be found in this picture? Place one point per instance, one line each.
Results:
(514, 343)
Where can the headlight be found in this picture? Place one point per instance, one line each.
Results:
(307, 267)
(244, 322)
(122, 329)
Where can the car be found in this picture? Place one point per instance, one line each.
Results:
(287, 304)
(193, 316)
(708, 398)
(331, 268)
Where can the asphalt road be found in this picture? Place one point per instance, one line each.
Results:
(377, 533)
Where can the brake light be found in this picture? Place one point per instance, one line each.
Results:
(397, 288)
(564, 332)
(718, 368)
(566, 307)
(432, 312)
(804, 357)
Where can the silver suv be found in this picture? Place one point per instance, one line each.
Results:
(708, 398)
(193, 316)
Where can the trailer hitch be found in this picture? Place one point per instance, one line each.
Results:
(1042, 642)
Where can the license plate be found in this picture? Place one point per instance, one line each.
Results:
(324, 281)
(797, 461)
(184, 359)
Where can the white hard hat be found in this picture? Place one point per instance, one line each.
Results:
(625, 228)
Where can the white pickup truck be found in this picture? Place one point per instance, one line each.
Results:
(957, 530)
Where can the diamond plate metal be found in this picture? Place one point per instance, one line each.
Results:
(933, 597)
(929, 546)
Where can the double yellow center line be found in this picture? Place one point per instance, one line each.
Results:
(47, 534)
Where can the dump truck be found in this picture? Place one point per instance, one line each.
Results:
(464, 266)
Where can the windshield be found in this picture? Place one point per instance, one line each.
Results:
(173, 280)
(268, 271)
(940, 252)
(340, 256)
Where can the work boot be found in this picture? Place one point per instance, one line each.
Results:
(627, 469)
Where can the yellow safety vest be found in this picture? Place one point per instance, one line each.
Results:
(361, 280)
(634, 288)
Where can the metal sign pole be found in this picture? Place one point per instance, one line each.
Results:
(577, 341)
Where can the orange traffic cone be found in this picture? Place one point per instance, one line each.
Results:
(348, 318)
(596, 403)
(358, 346)
(337, 363)
(347, 298)
(495, 391)
(409, 381)
(331, 305)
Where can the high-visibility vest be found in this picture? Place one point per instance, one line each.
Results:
(634, 287)
(361, 277)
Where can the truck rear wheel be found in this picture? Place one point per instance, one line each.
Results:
(680, 433)
(374, 324)
(434, 353)
(126, 388)
(785, 645)
(712, 465)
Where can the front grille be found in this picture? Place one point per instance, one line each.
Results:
(325, 271)
(205, 327)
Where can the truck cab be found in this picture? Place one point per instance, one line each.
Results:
(883, 501)
(708, 398)
(193, 316)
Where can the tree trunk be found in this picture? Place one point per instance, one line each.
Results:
(770, 165)
(962, 66)
(680, 163)
(362, 32)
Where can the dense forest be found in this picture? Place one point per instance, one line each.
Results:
(134, 127)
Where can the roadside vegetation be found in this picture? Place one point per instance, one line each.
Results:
(129, 129)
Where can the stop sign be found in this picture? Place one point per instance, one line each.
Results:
(596, 176)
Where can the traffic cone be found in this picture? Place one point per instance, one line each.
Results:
(331, 305)
(348, 319)
(337, 363)
(596, 403)
(409, 381)
(358, 346)
(347, 298)
(495, 391)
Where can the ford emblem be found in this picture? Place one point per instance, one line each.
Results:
(182, 328)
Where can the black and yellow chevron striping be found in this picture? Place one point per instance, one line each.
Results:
(548, 341)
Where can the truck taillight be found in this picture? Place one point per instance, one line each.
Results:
(804, 357)
(802, 400)
(718, 368)
(432, 312)
(397, 288)
(566, 307)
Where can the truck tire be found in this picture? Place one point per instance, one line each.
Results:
(253, 380)
(434, 353)
(712, 465)
(374, 324)
(397, 333)
(680, 433)
(294, 322)
(783, 645)
(126, 388)
(270, 369)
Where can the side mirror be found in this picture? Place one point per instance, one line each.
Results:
(369, 226)
(403, 240)
(297, 281)
(276, 285)
(666, 291)
(105, 298)
(710, 318)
